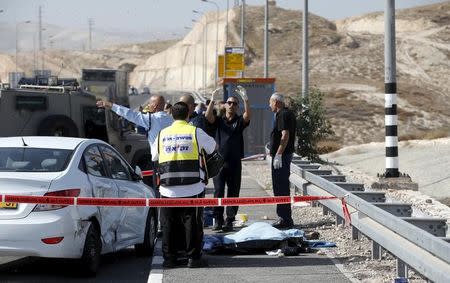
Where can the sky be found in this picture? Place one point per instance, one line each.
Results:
(161, 16)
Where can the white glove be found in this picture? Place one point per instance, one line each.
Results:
(216, 93)
(242, 92)
(277, 164)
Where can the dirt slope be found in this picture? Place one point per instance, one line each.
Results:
(346, 62)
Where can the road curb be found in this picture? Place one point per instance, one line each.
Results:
(156, 271)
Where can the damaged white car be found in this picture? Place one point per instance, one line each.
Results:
(72, 167)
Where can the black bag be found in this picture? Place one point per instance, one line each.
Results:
(214, 162)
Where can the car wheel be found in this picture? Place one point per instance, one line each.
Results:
(90, 260)
(146, 248)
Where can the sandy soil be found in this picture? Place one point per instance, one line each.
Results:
(426, 161)
(353, 255)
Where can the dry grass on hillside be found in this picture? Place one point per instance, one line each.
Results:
(341, 58)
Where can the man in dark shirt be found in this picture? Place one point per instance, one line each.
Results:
(195, 119)
(230, 139)
(281, 149)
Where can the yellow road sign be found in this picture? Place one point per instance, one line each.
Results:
(234, 59)
(221, 66)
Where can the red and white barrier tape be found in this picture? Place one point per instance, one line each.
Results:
(171, 202)
(147, 173)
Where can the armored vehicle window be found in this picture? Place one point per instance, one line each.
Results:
(31, 103)
(99, 75)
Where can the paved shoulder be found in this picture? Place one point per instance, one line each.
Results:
(258, 267)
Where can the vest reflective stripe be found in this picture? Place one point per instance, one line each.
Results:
(179, 174)
(178, 155)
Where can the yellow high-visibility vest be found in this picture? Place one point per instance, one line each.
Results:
(178, 155)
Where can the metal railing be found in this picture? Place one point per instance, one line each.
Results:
(413, 246)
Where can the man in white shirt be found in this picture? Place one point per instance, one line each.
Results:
(153, 122)
(178, 150)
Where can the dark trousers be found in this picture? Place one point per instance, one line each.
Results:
(183, 224)
(231, 176)
(280, 185)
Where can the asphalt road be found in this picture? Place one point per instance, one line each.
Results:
(123, 266)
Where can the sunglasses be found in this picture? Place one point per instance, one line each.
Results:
(232, 103)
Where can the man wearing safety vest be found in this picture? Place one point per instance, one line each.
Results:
(178, 150)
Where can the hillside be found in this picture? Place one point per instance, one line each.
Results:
(346, 63)
(68, 63)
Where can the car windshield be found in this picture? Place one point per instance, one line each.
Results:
(33, 159)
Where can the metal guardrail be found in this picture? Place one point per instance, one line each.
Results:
(426, 253)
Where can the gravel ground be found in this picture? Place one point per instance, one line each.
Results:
(354, 255)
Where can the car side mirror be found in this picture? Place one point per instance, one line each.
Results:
(138, 172)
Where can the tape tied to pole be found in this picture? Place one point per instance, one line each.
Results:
(172, 202)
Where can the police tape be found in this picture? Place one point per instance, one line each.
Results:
(147, 173)
(171, 202)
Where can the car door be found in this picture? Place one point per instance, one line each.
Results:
(103, 187)
(133, 218)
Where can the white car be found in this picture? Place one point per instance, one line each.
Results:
(73, 167)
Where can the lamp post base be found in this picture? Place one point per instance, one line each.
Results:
(403, 182)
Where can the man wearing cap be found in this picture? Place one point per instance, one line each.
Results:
(281, 149)
(230, 139)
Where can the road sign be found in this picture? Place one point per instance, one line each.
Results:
(221, 66)
(234, 59)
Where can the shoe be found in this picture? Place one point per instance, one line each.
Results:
(228, 227)
(312, 235)
(172, 263)
(169, 263)
(281, 224)
(218, 223)
(197, 263)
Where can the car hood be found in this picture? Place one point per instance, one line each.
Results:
(24, 183)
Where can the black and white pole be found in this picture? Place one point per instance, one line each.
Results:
(305, 68)
(390, 89)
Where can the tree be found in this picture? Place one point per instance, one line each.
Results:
(312, 125)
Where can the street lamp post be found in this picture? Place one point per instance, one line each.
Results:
(305, 78)
(205, 45)
(242, 28)
(217, 39)
(266, 40)
(242, 22)
(226, 26)
(195, 59)
(183, 61)
(17, 38)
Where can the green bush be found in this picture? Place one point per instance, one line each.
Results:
(312, 125)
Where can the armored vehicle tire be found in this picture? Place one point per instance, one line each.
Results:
(57, 125)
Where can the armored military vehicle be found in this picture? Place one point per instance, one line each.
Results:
(51, 106)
